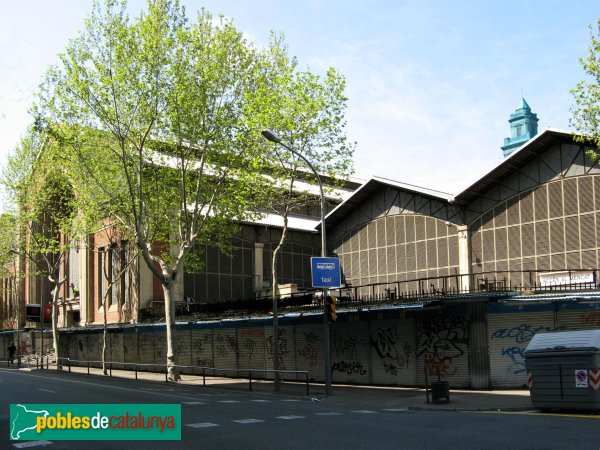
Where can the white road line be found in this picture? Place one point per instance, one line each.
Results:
(331, 413)
(31, 444)
(291, 400)
(229, 401)
(138, 390)
(290, 417)
(262, 401)
(193, 403)
(364, 411)
(396, 409)
(46, 390)
(248, 421)
(202, 425)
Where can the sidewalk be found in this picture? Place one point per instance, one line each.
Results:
(363, 397)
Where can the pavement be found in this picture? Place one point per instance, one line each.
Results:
(386, 397)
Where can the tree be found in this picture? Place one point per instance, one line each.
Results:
(308, 112)
(586, 112)
(9, 265)
(117, 256)
(152, 112)
(46, 220)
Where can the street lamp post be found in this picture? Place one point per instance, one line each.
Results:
(273, 137)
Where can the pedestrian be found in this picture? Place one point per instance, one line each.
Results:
(11, 353)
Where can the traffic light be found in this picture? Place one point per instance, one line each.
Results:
(330, 303)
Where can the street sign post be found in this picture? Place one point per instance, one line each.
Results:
(326, 272)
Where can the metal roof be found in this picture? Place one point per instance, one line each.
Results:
(366, 191)
(517, 159)
(511, 163)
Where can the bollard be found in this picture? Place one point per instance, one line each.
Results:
(69, 363)
(88, 367)
(136, 371)
(166, 374)
(203, 376)
(250, 379)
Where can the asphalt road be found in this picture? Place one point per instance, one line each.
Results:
(220, 419)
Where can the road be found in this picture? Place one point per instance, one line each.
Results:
(222, 419)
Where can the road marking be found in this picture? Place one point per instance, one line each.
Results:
(202, 425)
(290, 417)
(229, 401)
(331, 413)
(364, 411)
(396, 409)
(31, 444)
(535, 413)
(291, 400)
(46, 390)
(247, 421)
(138, 390)
(194, 403)
(262, 401)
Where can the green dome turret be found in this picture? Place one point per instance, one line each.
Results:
(523, 126)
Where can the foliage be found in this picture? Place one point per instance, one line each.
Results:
(586, 113)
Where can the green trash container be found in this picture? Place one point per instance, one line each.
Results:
(440, 392)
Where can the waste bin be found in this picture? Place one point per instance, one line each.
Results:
(563, 369)
(440, 392)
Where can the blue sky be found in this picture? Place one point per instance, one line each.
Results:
(431, 83)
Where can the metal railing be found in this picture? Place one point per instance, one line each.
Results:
(27, 359)
(204, 371)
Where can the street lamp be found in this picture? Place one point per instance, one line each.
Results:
(273, 137)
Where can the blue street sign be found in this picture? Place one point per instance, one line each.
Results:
(326, 272)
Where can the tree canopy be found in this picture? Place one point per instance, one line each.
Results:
(586, 112)
(158, 120)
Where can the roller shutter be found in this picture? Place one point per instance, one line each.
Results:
(202, 347)
(350, 353)
(583, 316)
(309, 350)
(393, 359)
(509, 334)
(443, 347)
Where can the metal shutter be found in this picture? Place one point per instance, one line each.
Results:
(202, 347)
(350, 352)
(309, 350)
(225, 348)
(443, 348)
(393, 359)
(509, 334)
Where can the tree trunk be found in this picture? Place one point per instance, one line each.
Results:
(104, 336)
(169, 291)
(55, 294)
(274, 292)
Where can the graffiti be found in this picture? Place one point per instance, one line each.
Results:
(347, 346)
(384, 341)
(442, 337)
(522, 333)
(391, 369)
(225, 344)
(203, 362)
(282, 347)
(441, 368)
(516, 355)
(253, 333)
(247, 348)
(591, 319)
(349, 368)
(145, 338)
(309, 352)
(199, 344)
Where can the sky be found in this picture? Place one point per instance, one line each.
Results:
(430, 83)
